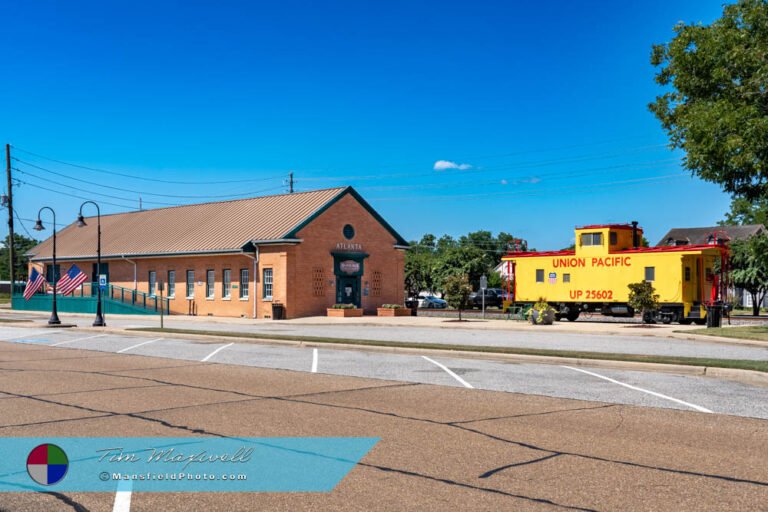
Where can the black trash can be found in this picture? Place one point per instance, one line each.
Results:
(413, 304)
(715, 315)
(278, 311)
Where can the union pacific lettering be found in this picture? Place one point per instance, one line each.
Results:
(608, 261)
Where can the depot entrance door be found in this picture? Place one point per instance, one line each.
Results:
(348, 268)
(348, 290)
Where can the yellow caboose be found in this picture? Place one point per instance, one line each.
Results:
(606, 259)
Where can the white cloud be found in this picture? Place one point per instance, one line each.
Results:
(442, 165)
(504, 182)
(533, 180)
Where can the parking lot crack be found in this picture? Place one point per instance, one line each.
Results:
(512, 416)
(518, 464)
(475, 487)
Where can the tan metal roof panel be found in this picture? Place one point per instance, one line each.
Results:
(208, 227)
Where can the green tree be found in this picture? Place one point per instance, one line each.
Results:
(21, 247)
(749, 268)
(744, 212)
(458, 289)
(643, 298)
(716, 105)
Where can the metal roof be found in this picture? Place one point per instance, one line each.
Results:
(197, 228)
(696, 236)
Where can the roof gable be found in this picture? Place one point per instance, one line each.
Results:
(698, 236)
(399, 240)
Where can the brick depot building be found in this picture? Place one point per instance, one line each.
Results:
(306, 251)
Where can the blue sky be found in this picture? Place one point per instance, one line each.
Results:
(538, 110)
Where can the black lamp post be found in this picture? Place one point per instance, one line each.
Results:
(54, 320)
(99, 322)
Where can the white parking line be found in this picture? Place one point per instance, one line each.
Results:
(665, 397)
(76, 339)
(215, 352)
(314, 360)
(123, 496)
(448, 370)
(137, 346)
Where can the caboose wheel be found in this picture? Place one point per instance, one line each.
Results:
(685, 321)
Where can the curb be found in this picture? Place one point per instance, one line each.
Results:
(750, 377)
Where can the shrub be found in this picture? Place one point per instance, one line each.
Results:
(391, 306)
(540, 307)
(344, 306)
(642, 298)
(458, 289)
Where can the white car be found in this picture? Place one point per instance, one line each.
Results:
(432, 302)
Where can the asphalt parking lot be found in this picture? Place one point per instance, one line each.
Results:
(686, 392)
(441, 446)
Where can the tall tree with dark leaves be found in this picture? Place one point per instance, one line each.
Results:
(715, 107)
(22, 245)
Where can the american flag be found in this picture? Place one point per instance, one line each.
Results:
(71, 280)
(34, 283)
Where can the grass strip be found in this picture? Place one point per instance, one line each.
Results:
(13, 321)
(753, 332)
(741, 364)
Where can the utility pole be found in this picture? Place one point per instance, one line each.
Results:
(290, 182)
(11, 249)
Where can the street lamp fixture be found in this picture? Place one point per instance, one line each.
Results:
(54, 320)
(99, 322)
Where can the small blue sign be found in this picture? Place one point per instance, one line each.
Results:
(102, 281)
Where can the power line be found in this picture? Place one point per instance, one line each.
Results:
(23, 226)
(135, 177)
(508, 167)
(538, 176)
(593, 186)
(172, 196)
(74, 195)
(100, 194)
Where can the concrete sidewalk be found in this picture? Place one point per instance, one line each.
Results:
(612, 328)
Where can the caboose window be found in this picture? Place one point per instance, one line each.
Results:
(687, 273)
(539, 275)
(566, 278)
(614, 237)
(650, 273)
(591, 239)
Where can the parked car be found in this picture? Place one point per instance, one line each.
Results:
(494, 298)
(432, 302)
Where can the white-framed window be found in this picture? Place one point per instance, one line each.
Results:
(650, 273)
(190, 284)
(152, 283)
(266, 284)
(210, 283)
(244, 283)
(226, 283)
(539, 275)
(171, 284)
(591, 239)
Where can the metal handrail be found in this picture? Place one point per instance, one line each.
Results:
(113, 292)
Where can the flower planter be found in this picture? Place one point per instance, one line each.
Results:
(344, 313)
(393, 312)
(547, 317)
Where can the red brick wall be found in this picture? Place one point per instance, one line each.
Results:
(297, 270)
(314, 253)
